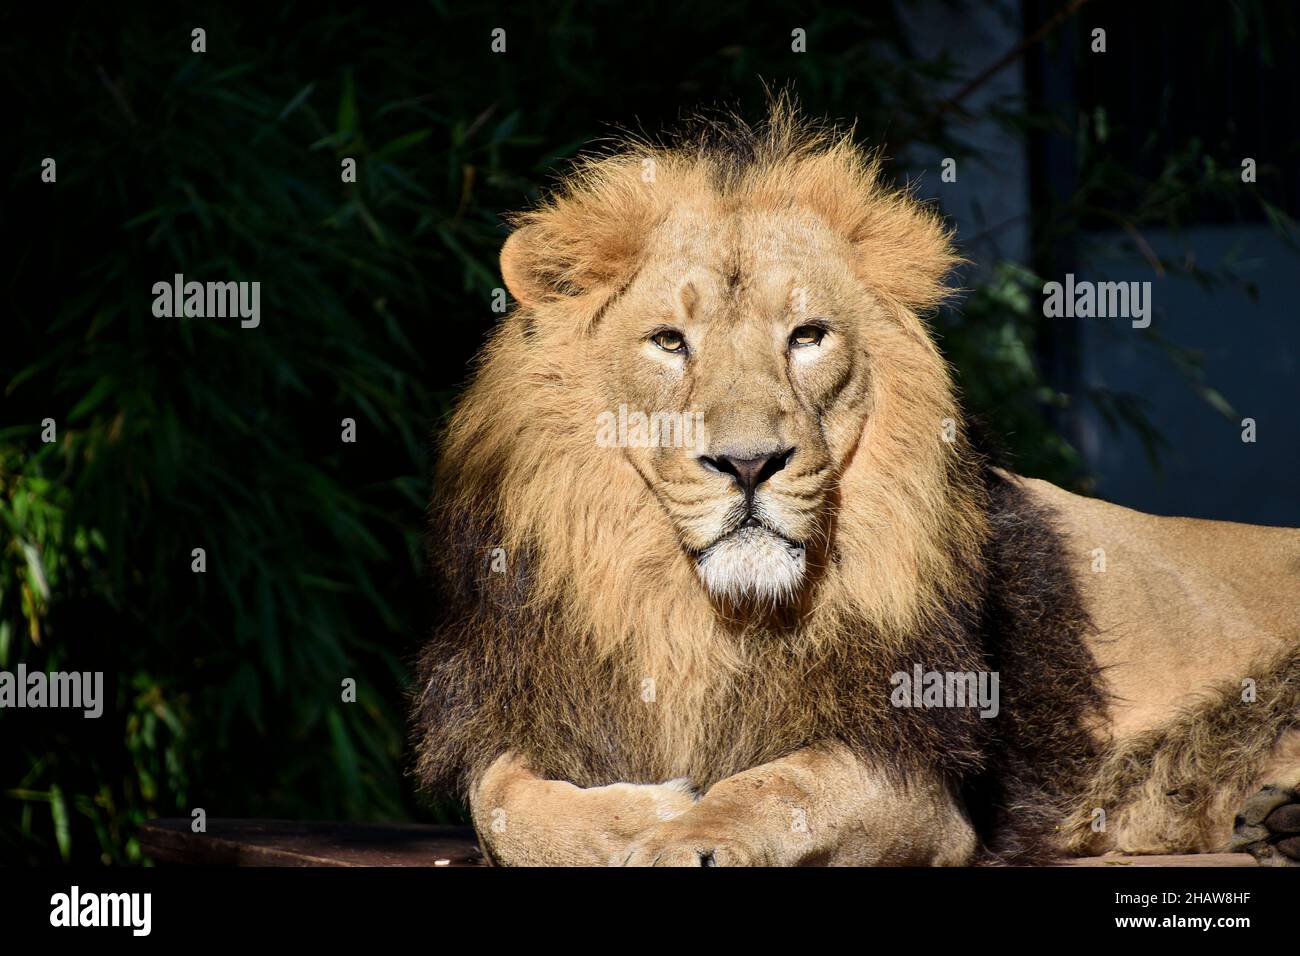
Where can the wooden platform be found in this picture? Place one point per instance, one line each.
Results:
(1195, 859)
(286, 843)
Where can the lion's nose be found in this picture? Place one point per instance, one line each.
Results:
(749, 473)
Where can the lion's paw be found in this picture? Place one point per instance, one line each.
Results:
(1268, 827)
(682, 844)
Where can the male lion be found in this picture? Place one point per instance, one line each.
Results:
(670, 653)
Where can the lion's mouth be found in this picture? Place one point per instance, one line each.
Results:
(753, 559)
(751, 528)
(753, 531)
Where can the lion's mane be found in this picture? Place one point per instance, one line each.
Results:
(574, 629)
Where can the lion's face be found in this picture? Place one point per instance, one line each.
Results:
(741, 342)
(740, 328)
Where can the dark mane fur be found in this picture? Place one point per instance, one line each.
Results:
(1041, 754)
(501, 673)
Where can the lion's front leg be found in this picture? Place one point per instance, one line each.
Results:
(525, 820)
(816, 806)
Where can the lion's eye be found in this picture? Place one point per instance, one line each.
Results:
(807, 335)
(669, 341)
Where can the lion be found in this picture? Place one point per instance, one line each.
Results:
(827, 629)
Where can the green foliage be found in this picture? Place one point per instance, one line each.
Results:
(225, 687)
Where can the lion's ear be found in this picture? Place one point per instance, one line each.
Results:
(584, 241)
(545, 261)
(521, 267)
(905, 252)
(904, 247)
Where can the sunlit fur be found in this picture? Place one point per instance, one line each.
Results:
(605, 615)
(602, 594)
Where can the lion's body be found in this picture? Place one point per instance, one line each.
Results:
(1177, 603)
(1184, 613)
(732, 615)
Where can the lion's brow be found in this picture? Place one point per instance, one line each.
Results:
(730, 271)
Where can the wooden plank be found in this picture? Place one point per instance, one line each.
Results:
(288, 843)
(1195, 859)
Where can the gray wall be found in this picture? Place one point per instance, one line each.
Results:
(1251, 355)
(989, 202)
(1250, 349)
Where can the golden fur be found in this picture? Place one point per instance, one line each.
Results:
(579, 633)
(608, 570)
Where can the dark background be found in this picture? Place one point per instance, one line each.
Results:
(224, 688)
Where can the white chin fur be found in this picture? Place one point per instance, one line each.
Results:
(752, 563)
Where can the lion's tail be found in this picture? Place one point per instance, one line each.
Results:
(1176, 789)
